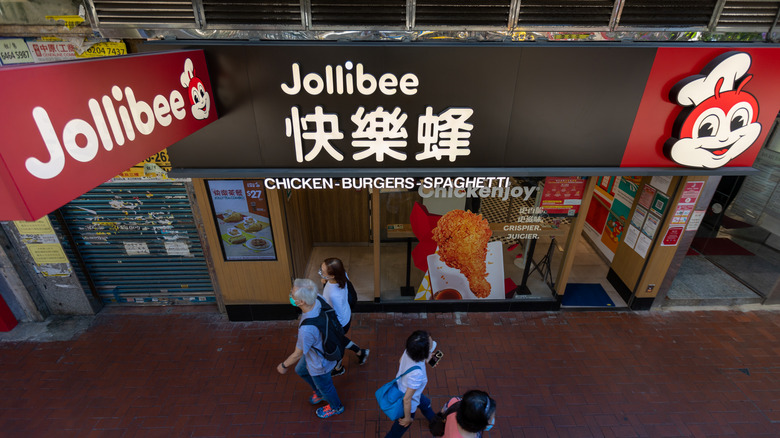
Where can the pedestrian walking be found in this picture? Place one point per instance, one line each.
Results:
(335, 292)
(468, 416)
(312, 365)
(419, 348)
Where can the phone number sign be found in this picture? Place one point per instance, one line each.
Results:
(14, 51)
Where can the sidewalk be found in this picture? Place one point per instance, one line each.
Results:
(563, 374)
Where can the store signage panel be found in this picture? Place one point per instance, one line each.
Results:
(429, 106)
(422, 106)
(705, 108)
(71, 126)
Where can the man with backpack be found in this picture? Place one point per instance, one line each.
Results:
(319, 347)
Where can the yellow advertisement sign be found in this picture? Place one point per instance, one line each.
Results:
(46, 253)
(71, 21)
(41, 226)
(155, 167)
(108, 48)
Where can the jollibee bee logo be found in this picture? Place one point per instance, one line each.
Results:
(199, 97)
(719, 121)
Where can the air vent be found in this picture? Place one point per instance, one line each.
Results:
(365, 13)
(748, 15)
(236, 14)
(666, 14)
(449, 13)
(145, 13)
(587, 13)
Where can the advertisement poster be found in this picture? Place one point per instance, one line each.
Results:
(659, 203)
(651, 225)
(612, 232)
(681, 214)
(690, 195)
(136, 248)
(648, 193)
(661, 183)
(643, 245)
(180, 249)
(631, 235)
(14, 51)
(47, 253)
(154, 168)
(450, 283)
(691, 192)
(629, 185)
(621, 207)
(39, 231)
(605, 183)
(695, 221)
(672, 236)
(638, 219)
(562, 195)
(242, 217)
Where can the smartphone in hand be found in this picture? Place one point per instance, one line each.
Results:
(435, 358)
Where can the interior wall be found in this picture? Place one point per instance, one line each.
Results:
(627, 263)
(249, 282)
(642, 277)
(662, 256)
(299, 224)
(339, 216)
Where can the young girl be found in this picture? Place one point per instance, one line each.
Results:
(419, 347)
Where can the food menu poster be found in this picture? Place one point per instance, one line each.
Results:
(242, 218)
(562, 195)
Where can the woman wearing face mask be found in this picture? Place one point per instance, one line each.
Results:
(334, 279)
(475, 414)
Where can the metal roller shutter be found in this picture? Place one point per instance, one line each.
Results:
(139, 244)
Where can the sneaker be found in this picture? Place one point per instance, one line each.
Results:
(314, 399)
(363, 357)
(326, 411)
(337, 371)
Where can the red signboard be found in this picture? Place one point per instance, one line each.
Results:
(705, 108)
(672, 236)
(68, 127)
(562, 195)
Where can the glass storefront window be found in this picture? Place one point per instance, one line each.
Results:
(500, 242)
(740, 235)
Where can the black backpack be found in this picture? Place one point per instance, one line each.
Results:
(331, 331)
(351, 296)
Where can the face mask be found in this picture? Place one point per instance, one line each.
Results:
(292, 301)
(490, 425)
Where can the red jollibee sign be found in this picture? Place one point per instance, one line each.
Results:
(68, 127)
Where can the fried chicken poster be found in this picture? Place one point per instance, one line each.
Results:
(460, 260)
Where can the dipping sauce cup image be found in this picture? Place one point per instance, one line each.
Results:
(447, 294)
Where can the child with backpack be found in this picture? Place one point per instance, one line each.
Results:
(319, 346)
(341, 295)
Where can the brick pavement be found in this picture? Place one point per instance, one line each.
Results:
(564, 374)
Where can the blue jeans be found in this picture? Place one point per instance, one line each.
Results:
(425, 407)
(322, 384)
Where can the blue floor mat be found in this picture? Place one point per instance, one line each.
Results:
(586, 295)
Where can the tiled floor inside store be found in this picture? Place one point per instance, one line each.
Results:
(588, 267)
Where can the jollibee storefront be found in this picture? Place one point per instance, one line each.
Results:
(447, 177)
(467, 178)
